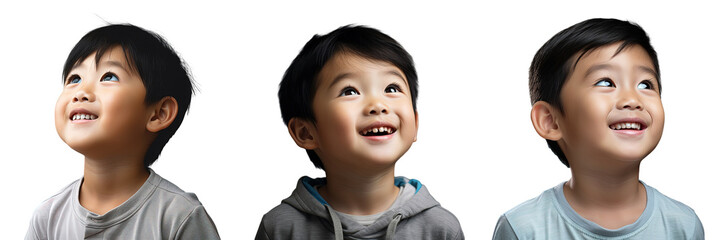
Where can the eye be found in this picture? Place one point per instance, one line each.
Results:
(645, 84)
(348, 91)
(393, 88)
(73, 79)
(109, 77)
(605, 83)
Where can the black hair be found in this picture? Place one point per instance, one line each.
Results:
(160, 68)
(554, 61)
(299, 83)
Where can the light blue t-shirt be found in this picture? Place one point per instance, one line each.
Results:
(549, 216)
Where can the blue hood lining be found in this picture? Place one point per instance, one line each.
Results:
(308, 183)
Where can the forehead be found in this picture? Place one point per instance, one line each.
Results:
(348, 65)
(112, 56)
(631, 56)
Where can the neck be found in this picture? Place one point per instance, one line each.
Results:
(108, 183)
(360, 194)
(612, 198)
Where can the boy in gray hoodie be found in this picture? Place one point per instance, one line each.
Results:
(349, 99)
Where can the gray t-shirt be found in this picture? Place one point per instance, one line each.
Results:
(158, 210)
(549, 216)
(405, 193)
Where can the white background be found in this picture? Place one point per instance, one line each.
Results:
(476, 152)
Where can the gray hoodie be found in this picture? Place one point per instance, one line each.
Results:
(305, 215)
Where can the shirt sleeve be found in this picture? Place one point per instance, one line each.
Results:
(38, 223)
(197, 225)
(504, 231)
(261, 234)
(459, 235)
(698, 230)
(31, 234)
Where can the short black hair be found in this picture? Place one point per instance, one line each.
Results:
(160, 68)
(299, 83)
(554, 60)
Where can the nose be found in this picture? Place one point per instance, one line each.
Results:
(629, 100)
(84, 94)
(376, 107)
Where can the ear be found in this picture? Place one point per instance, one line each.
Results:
(162, 114)
(545, 120)
(303, 133)
(415, 137)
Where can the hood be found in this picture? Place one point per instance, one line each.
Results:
(305, 198)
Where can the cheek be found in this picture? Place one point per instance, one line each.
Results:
(335, 124)
(408, 117)
(657, 113)
(339, 119)
(126, 109)
(585, 117)
(60, 107)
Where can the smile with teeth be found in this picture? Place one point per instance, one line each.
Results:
(82, 116)
(626, 126)
(377, 131)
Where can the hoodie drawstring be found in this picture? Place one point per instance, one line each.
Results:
(391, 231)
(337, 227)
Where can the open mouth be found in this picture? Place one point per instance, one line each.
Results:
(627, 126)
(83, 116)
(377, 131)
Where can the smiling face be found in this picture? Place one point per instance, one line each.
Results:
(101, 111)
(364, 113)
(612, 107)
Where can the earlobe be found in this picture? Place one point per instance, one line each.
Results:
(163, 114)
(543, 117)
(415, 136)
(303, 133)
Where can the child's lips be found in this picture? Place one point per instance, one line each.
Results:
(378, 128)
(379, 138)
(81, 115)
(629, 126)
(378, 131)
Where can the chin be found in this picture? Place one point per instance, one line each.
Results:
(78, 147)
(631, 157)
(382, 159)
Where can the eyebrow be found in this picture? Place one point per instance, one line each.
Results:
(611, 67)
(347, 75)
(649, 70)
(108, 62)
(116, 64)
(598, 67)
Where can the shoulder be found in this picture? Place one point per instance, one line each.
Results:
(675, 213)
(182, 208)
(59, 203)
(529, 215)
(283, 215)
(286, 222)
(535, 207)
(425, 216)
(438, 216)
(169, 193)
(171, 202)
(670, 206)
(439, 220)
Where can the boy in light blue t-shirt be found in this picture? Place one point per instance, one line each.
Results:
(596, 94)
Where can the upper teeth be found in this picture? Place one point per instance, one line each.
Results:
(619, 126)
(379, 129)
(82, 116)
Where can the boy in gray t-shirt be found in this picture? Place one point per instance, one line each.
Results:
(125, 93)
(596, 94)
